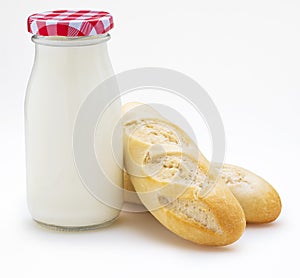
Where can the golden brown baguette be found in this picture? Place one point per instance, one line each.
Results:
(259, 200)
(171, 184)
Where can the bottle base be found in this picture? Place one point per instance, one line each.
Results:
(75, 228)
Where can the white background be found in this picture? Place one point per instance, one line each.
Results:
(246, 55)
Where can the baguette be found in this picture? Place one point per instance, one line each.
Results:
(170, 185)
(259, 200)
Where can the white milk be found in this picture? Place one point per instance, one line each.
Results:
(64, 73)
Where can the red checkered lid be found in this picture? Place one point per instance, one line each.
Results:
(69, 23)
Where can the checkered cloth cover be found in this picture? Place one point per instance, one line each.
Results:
(70, 23)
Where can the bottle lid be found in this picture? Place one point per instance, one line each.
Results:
(70, 23)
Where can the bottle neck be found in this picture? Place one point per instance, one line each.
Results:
(65, 52)
(70, 41)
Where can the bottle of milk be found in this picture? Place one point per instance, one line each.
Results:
(71, 60)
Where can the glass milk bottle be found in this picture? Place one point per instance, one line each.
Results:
(71, 60)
